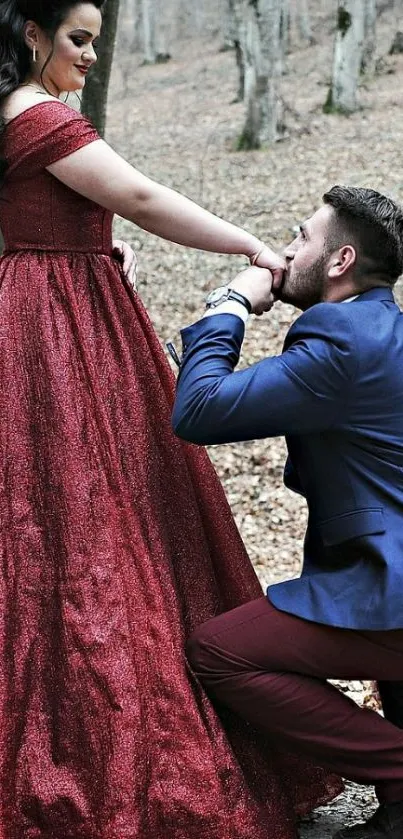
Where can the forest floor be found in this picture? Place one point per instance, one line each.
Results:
(178, 123)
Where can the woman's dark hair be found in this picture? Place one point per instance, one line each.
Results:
(15, 55)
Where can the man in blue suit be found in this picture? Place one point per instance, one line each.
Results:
(336, 393)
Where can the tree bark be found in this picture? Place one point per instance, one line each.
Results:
(229, 30)
(262, 70)
(149, 31)
(368, 52)
(129, 25)
(95, 94)
(397, 44)
(304, 22)
(347, 57)
(285, 27)
(238, 15)
(155, 26)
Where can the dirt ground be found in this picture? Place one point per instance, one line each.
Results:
(178, 123)
(354, 805)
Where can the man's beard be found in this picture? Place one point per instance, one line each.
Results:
(306, 287)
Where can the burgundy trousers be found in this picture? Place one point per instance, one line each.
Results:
(271, 668)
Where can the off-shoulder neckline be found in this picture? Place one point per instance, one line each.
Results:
(38, 105)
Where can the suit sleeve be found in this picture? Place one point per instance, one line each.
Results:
(304, 390)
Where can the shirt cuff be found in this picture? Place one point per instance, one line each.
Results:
(229, 307)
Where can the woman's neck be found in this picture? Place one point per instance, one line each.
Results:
(37, 84)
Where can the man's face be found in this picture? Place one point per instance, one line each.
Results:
(305, 279)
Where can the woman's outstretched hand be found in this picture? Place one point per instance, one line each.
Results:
(266, 258)
(128, 260)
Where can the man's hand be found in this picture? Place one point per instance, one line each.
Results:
(256, 285)
(128, 260)
(266, 258)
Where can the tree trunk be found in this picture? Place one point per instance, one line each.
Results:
(397, 44)
(95, 94)
(198, 17)
(368, 53)
(129, 24)
(347, 57)
(155, 29)
(229, 29)
(149, 31)
(165, 32)
(285, 27)
(238, 15)
(304, 22)
(262, 66)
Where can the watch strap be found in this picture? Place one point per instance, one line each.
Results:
(240, 298)
(228, 293)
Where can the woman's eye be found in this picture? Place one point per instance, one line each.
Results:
(78, 42)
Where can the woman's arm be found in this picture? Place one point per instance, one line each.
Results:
(101, 175)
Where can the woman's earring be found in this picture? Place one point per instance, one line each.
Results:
(34, 54)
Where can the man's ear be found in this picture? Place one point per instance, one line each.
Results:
(342, 261)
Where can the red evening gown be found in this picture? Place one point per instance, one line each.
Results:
(116, 540)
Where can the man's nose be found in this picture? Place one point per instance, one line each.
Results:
(289, 252)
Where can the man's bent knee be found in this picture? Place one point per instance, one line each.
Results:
(200, 651)
(213, 653)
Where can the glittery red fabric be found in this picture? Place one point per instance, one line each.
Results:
(116, 540)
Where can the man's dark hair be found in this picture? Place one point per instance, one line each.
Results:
(373, 224)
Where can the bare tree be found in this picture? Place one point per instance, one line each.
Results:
(149, 31)
(155, 31)
(262, 63)
(129, 24)
(368, 52)
(229, 29)
(397, 42)
(348, 49)
(285, 26)
(304, 21)
(237, 15)
(95, 94)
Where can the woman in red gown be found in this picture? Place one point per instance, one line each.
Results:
(116, 539)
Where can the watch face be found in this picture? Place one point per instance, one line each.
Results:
(217, 295)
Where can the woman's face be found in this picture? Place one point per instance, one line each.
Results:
(72, 50)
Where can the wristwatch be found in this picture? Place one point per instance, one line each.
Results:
(224, 293)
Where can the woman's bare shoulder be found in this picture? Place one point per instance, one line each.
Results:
(21, 100)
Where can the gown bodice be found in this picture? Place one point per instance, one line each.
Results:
(37, 211)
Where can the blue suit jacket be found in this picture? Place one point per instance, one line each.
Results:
(336, 392)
